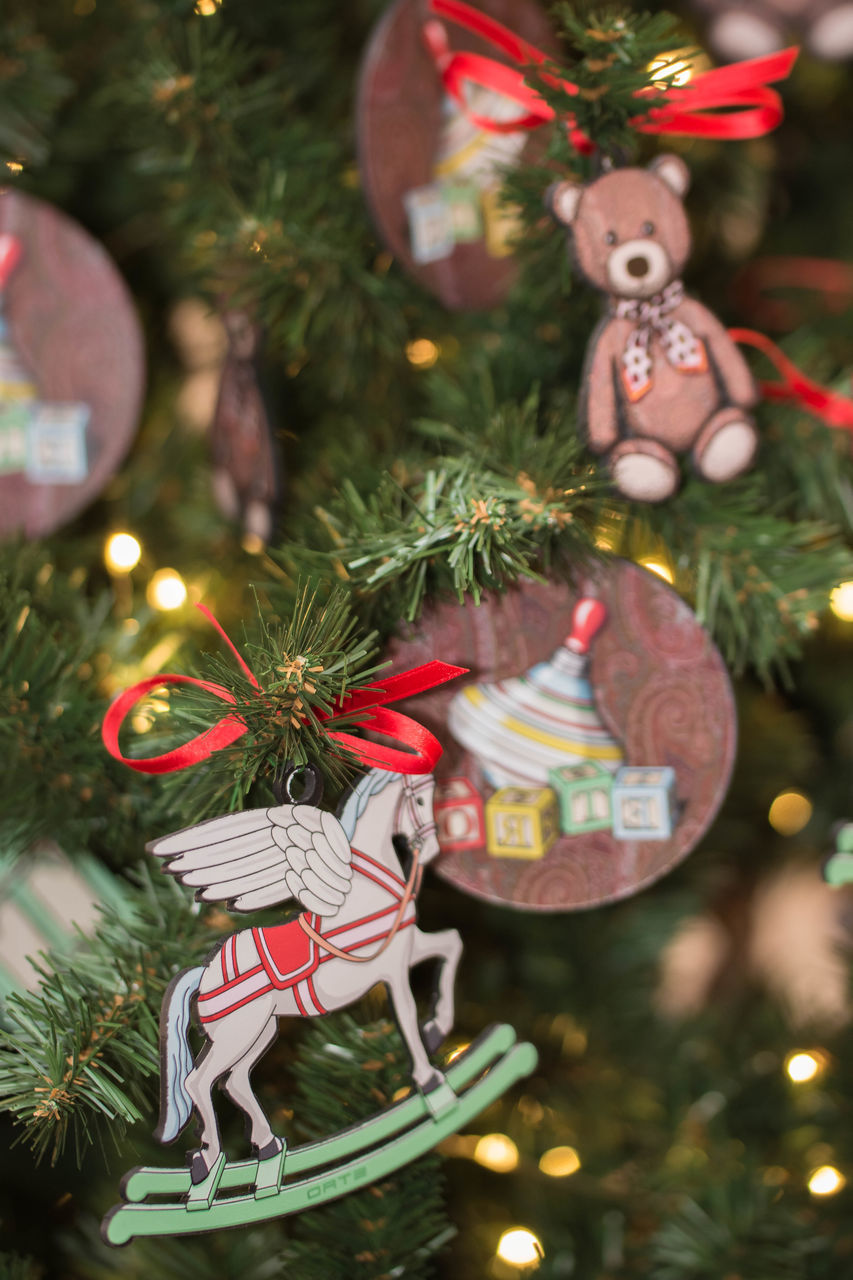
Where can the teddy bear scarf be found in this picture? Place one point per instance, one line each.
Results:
(682, 348)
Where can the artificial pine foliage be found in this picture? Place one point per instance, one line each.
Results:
(212, 147)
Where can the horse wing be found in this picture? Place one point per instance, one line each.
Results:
(261, 857)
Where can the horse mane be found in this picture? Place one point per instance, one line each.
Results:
(371, 784)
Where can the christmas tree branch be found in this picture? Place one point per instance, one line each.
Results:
(56, 776)
(77, 1059)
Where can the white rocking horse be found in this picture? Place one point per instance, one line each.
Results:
(358, 928)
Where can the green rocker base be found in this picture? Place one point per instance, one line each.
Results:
(164, 1202)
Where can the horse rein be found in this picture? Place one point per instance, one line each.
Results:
(413, 884)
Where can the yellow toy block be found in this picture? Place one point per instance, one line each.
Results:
(521, 822)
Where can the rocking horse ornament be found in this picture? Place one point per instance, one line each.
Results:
(357, 877)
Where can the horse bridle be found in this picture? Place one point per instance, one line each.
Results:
(408, 803)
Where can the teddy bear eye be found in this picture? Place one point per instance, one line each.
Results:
(648, 228)
(610, 238)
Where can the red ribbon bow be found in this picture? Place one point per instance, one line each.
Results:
(367, 705)
(728, 102)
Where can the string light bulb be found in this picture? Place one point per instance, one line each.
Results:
(679, 66)
(520, 1248)
(789, 812)
(121, 552)
(826, 1181)
(166, 590)
(802, 1067)
(841, 601)
(497, 1152)
(422, 353)
(560, 1162)
(657, 566)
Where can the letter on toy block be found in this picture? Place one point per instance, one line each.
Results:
(521, 822)
(583, 791)
(458, 808)
(644, 803)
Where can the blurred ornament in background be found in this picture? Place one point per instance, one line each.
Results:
(789, 935)
(431, 175)
(46, 903)
(200, 338)
(71, 367)
(838, 867)
(222, 394)
(245, 458)
(737, 30)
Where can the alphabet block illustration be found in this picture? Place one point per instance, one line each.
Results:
(644, 804)
(521, 822)
(459, 815)
(583, 792)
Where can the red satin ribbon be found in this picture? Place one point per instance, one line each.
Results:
(729, 102)
(831, 280)
(833, 409)
(367, 706)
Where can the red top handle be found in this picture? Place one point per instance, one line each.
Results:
(588, 617)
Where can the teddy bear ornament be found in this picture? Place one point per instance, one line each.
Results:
(662, 376)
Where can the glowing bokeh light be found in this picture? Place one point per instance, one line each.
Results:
(497, 1152)
(789, 812)
(560, 1162)
(121, 552)
(422, 353)
(166, 590)
(520, 1248)
(826, 1181)
(677, 66)
(802, 1067)
(841, 601)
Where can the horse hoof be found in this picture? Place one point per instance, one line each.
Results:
(272, 1148)
(434, 1081)
(432, 1036)
(199, 1168)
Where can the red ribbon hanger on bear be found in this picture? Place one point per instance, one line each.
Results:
(365, 707)
(729, 102)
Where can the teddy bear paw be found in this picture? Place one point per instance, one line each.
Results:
(644, 470)
(726, 447)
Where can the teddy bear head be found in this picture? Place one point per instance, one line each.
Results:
(629, 229)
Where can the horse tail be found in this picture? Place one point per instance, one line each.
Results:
(176, 1059)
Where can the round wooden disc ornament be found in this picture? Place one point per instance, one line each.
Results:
(71, 367)
(431, 177)
(589, 749)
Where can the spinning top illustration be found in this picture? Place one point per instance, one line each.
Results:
(521, 728)
(16, 383)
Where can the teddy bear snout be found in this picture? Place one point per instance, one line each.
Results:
(638, 268)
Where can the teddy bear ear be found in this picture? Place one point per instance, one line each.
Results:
(673, 171)
(563, 198)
